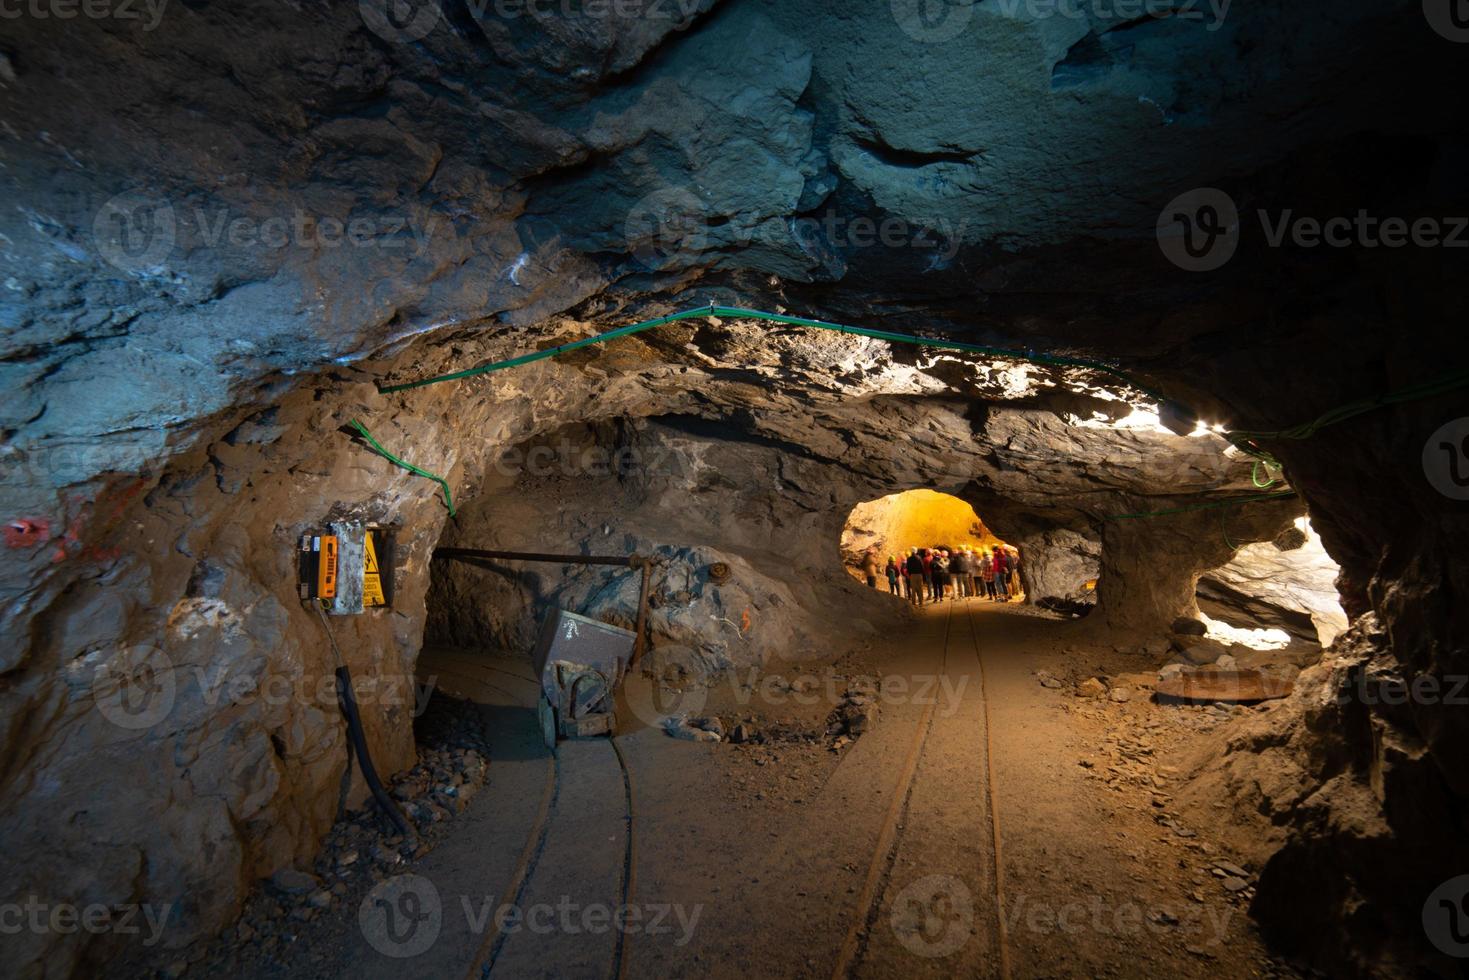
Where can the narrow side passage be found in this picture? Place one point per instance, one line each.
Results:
(1287, 585)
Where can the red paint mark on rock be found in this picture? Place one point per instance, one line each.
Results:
(91, 521)
(26, 532)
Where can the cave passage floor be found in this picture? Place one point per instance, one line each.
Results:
(789, 858)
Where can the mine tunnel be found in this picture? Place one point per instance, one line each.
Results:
(718, 488)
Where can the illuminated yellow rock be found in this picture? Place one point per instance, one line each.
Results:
(915, 519)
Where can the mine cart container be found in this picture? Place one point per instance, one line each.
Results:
(580, 662)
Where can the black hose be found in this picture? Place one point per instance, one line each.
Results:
(347, 699)
(356, 741)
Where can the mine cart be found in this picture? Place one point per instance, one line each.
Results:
(580, 661)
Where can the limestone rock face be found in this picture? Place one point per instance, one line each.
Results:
(645, 447)
(785, 597)
(1060, 563)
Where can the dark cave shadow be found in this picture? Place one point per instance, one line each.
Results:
(514, 733)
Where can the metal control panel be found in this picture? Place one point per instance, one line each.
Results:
(348, 567)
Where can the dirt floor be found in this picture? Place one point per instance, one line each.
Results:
(845, 825)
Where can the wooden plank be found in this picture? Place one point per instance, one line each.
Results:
(1230, 686)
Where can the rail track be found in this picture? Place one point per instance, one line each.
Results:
(582, 845)
(562, 863)
(879, 881)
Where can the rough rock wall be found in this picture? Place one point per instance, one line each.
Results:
(1059, 563)
(196, 558)
(1327, 777)
(1384, 828)
(692, 501)
(171, 728)
(338, 185)
(1151, 567)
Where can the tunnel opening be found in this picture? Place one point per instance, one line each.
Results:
(962, 557)
(1275, 593)
(756, 641)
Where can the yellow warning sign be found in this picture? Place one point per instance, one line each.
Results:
(372, 579)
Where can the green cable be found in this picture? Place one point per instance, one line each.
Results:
(1342, 413)
(903, 338)
(1224, 529)
(1241, 439)
(448, 498)
(549, 351)
(1244, 440)
(739, 312)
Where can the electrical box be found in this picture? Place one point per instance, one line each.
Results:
(317, 565)
(348, 567)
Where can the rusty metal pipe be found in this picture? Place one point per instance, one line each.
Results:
(627, 561)
(637, 649)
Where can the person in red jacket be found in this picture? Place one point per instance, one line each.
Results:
(1002, 572)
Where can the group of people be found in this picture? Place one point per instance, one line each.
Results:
(934, 574)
